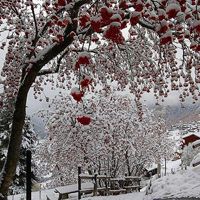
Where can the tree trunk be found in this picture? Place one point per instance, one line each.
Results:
(128, 164)
(159, 170)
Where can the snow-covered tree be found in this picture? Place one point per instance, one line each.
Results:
(152, 144)
(188, 154)
(135, 42)
(115, 142)
(5, 124)
(29, 139)
(29, 142)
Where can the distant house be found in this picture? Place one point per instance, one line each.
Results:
(150, 171)
(190, 138)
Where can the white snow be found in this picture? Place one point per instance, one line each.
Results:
(197, 142)
(116, 17)
(167, 34)
(173, 7)
(84, 54)
(135, 14)
(191, 133)
(75, 90)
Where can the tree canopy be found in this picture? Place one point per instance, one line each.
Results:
(145, 44)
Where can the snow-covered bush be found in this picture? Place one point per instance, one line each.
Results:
(188, 154)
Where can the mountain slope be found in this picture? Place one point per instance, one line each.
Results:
(174, 114)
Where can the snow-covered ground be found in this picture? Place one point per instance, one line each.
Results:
(184, 183)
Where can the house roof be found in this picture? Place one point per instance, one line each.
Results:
(152, 167)
(197, 142)
(190, 134)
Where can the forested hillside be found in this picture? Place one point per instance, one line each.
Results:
(175, 113)
(38, 126)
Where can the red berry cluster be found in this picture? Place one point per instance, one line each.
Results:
(84, 19)
(96, 24)
(77, 94)
(84, 59)
(114, 33)
(106, 14)
(84, 120)
(138, 5)
(85, 82)
(135, 17)
(196, 26)
(166, 38)
(123, 4)
(162, 28)
(172, 10)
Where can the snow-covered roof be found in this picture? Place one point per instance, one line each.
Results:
(196, 159)
(152, 167)
(191, 133)
(197, 142)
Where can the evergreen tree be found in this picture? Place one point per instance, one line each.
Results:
(29, 140)
(6, 114)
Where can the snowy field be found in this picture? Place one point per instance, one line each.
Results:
(184, 183)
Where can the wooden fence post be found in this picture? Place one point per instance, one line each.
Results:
(28, 175)
(95, 185)
(79, 182)
(139, 185)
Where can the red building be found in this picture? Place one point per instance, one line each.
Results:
(189, 138)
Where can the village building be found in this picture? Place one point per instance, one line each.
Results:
(190, 138)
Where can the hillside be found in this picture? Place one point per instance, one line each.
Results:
(175, 113)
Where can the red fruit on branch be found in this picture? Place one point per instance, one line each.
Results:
(123, 4)
(139, 6)
(106, 14)
(77, 66)
(1, 104)
(196, 26)
(77, 94)
(85, 120)
(135, 17)
(166, 38)
(61, 3)
(161, 14)
(172, 10)
(85, 82)
(84, 58)
(96, 23)
(84, 19)
(163, 27)
(114, 33)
